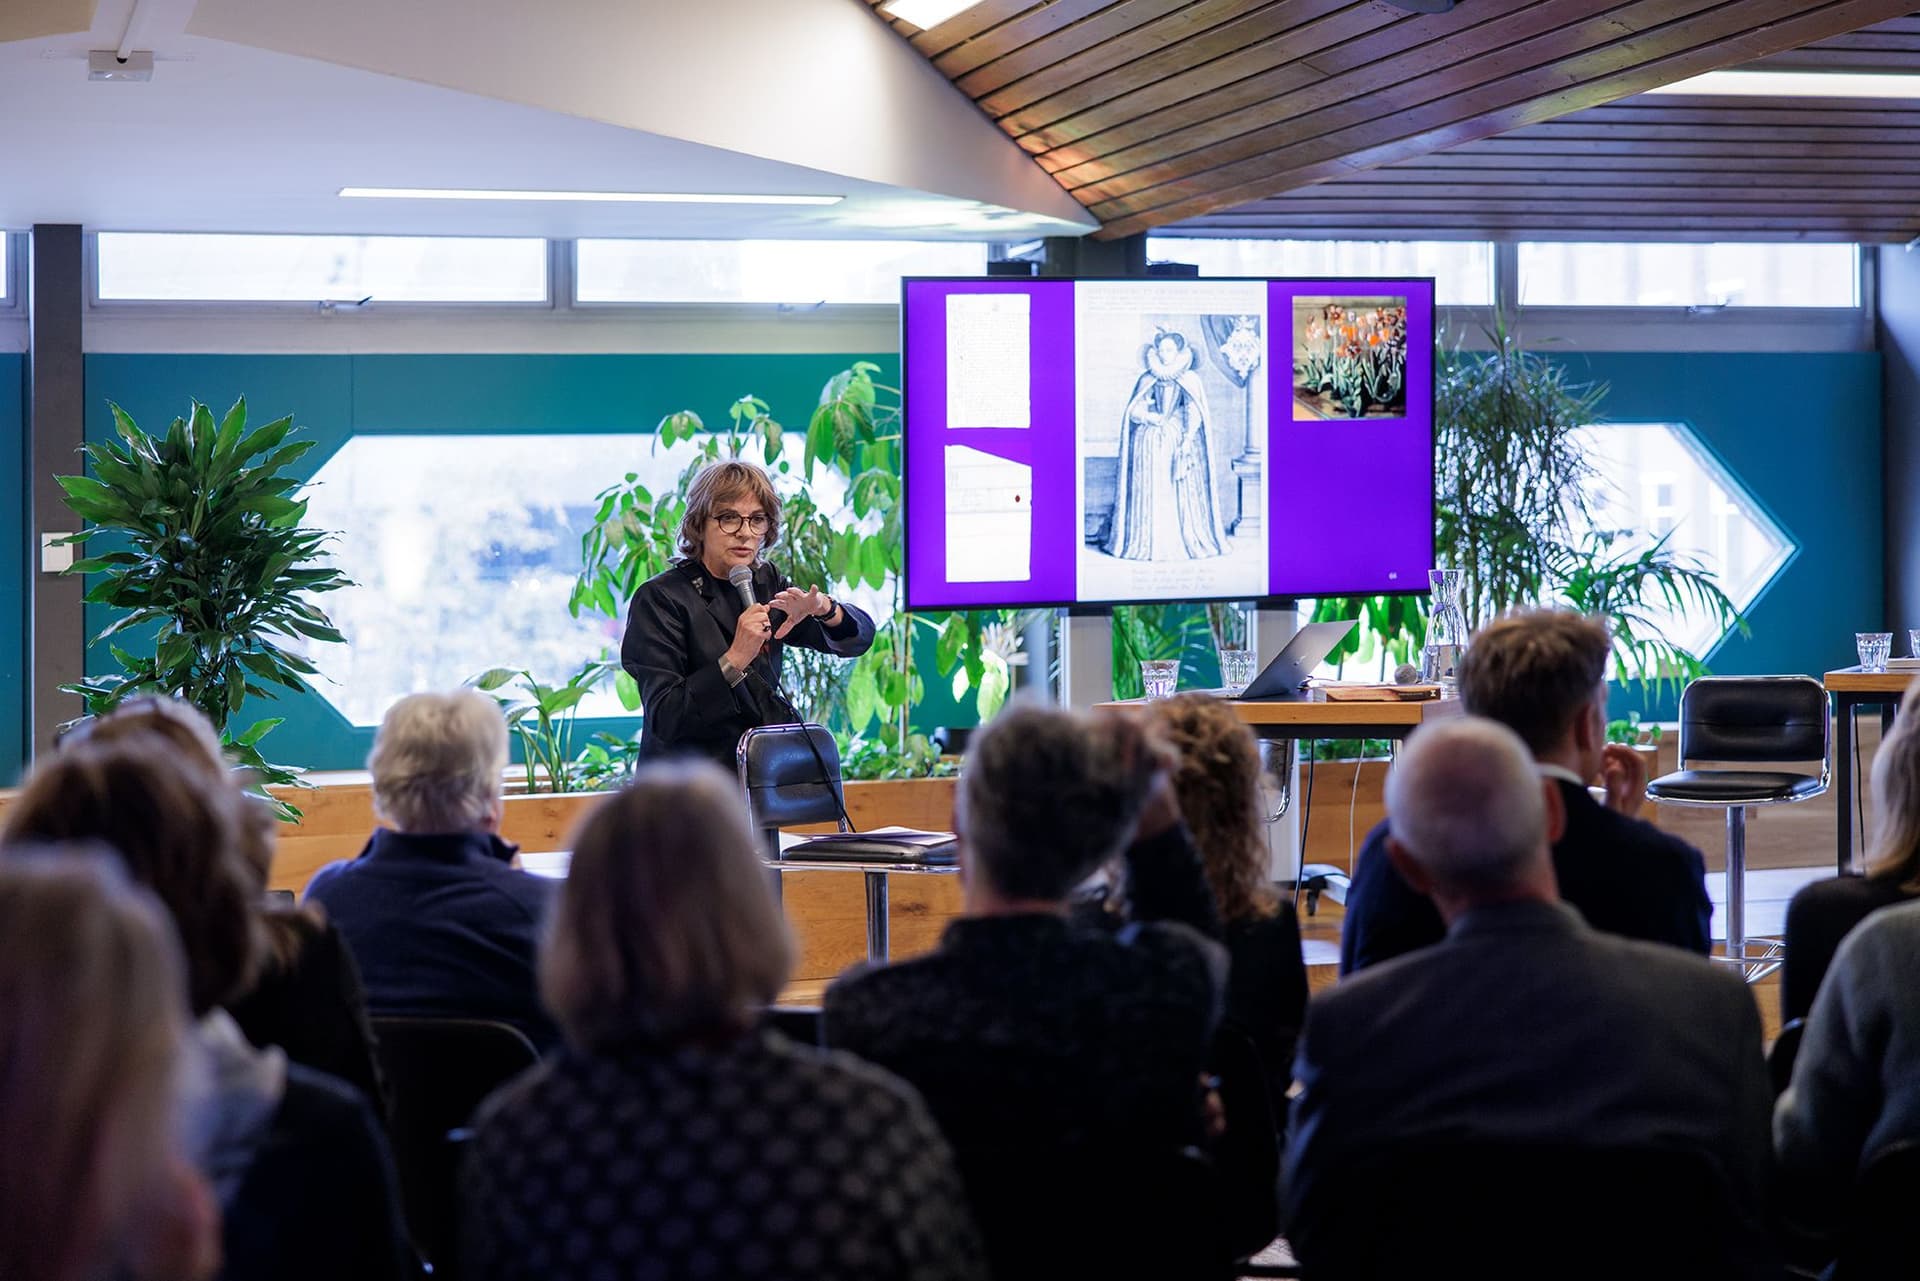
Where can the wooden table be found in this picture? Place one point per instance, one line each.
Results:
(1317, 716)
(1852, 689)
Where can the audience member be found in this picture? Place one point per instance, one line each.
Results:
(1856, 1081)
(433, 909)
(1524, 1025)
(296, 1158)
(1063, 1062)
(1543, 674)
(1217, 780)
(93, 1067)
(307, 997)
(1822, 913)
(670, 1137)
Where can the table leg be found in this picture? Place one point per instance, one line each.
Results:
(877, 941)
(1736, 897)
(1843, 780)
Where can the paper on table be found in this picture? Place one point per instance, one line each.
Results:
(989, 383)
(989, 517)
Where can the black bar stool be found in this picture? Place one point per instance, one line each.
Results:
(1752, 721)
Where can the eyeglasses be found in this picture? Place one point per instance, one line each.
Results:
(730, 522)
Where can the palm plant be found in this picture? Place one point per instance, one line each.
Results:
(210, 564)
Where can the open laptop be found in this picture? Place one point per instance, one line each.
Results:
(1287, 675)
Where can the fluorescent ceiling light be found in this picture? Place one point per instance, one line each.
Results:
(592, 197)
(1797, 84)
(926, 14)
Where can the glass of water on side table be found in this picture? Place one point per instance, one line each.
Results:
(1236, 669)
(1158, 676)
(1873, 648)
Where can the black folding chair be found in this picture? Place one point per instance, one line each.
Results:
(438, 1072)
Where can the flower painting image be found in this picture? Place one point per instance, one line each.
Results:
(1349, 358)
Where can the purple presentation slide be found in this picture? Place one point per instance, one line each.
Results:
(1106, 441)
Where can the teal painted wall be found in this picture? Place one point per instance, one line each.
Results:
(1802, 431)
(14, 553)
(336, 397)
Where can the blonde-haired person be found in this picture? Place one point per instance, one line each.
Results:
(708, 665)
(1217, 781)
(1822, 914)
(297, 1158)
(436, 914)
(672, 1129)
(94, 1058)
(307, 997)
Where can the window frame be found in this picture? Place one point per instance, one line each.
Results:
(1494, 262)
(1507, 277)
(720, 306)
(90, 267)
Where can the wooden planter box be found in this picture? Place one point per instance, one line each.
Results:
(827, 910)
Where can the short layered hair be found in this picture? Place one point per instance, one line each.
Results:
(1047, 795)
(1465, 802)
(92, 1022)
(438, 762)
(176, 832)
(1535, 672)
(715, 484)
(665, 930)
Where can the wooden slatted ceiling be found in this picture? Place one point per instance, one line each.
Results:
(1653, 168)
(1155, 111)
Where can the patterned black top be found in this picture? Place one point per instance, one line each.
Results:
(759, 1160)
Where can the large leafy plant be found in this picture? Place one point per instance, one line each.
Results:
(840, 527)
(210, 566)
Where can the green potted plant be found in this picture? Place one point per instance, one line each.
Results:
(851, 448)
(210, 568)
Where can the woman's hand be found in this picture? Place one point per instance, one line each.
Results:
(800, 606)
(749, 634)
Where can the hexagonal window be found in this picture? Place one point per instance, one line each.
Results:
(464, 550)
(1659, 479)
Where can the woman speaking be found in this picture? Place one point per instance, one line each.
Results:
(705, 638)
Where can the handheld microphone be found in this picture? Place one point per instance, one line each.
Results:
(741, 576)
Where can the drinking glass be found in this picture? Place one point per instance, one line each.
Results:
(1159, 676)
(1873, 647)
(1236, 669)
(1913, 641)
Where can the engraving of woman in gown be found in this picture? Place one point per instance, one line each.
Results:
(1163, 506)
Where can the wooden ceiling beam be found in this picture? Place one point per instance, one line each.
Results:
(1528, 98)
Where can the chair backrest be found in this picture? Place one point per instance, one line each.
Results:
(1878, 1244)
(792, 776)
(438, 1072)
(1508, 1211)
(1753, 719)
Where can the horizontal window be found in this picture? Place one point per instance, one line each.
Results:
(207, 268)
(6, 269)
(802, 272)
(1580, 274)
(1462, 270)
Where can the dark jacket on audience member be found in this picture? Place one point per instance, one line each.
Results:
(1042, 1044)
(309, 1000)
(1856, 1080)
(1267, 993)
(751, 1159)
(442, 925)
(1819, 917)
(320, 1201)
(1625, 876)
(1524, 1024)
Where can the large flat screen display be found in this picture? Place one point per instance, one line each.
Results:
(1109, 441)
